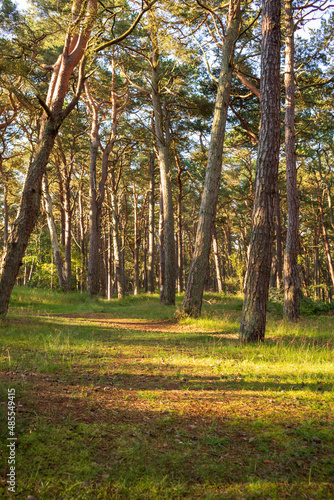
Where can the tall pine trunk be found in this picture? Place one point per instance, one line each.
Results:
(161, 247)
(253, 319)
(217, 259)
(116, 246)
(279, 241)
(94, 270)
(291, 274)
(162, 140)
(192, 302)
(151, 249)
(179, 225)
(53, 233)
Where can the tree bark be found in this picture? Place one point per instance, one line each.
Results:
(94, 270)
(217, 260)
(291, 274)
(161, 127)
(179, 225)
(151, 249)
(53, 232)
(161, 247)
(253, 321)
(135, 245)
(279, 241)
(82, 243)
(68, 234)
(116, 246)
(192, 302)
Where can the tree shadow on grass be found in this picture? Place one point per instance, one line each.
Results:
(133, 440)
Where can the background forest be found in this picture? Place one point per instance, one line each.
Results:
(102, 219)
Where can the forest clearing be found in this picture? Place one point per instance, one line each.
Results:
(119, 400)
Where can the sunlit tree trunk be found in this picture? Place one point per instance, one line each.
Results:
(217, 259)
(291, 274)
(279, 242)
(162, 140)
(109, 260)
(82, 242)
(161, 247)
(116, 246)
(94, 271)
(151, 224)
(192, 302)
(68, 234)
(179, 225)
(53, 232)
(253, 321)
(135, 245)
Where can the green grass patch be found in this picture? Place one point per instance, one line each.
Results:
(116, 399)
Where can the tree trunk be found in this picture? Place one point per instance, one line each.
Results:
(279, 242)
(253, 321)
(161, 126)
(291, 274)
(116, 245)
(179, 225)
(73, 51)
(28, 213)
(217, 260)
(68, 236)
(53, 232)
(161, 248)
(94, 271)
(5, 213)
(97, 193)
(151, 249)
(145, 282)
(109, 260)
(135, 246)
(192, 302)
(82, 243)
(325, 239)
(316, 260)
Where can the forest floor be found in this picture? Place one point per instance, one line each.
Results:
(116, 399)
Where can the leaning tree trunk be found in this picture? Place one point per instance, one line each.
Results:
(53, 233)
(74, 48)
(291, 274)
(161, 127)
(253, 319)
(192, 302)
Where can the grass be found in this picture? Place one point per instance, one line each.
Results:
(115, 399)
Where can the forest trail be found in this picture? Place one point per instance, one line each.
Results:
(105, 319)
